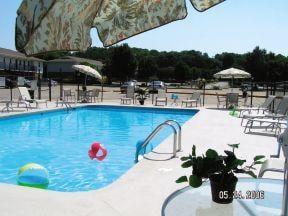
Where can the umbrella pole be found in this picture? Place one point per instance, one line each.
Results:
(232, 84)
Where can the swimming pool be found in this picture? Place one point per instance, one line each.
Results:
(60, 140)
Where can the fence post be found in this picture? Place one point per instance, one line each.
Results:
(251, 93)
(39, 84)
(204, 88)
(61, 85)
(50, 92)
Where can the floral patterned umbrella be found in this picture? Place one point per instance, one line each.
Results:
(53, 25)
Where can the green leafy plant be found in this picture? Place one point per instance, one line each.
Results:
(142, 95)
(212, 164)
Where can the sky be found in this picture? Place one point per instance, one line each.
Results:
(234, 26)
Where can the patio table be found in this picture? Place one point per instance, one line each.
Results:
(259, 197)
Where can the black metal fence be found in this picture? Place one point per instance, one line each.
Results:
(278, 89)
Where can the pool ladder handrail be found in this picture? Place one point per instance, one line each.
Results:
(155, 132)
(179, 134)
(67, 105)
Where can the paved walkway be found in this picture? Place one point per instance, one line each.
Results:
(144, 188)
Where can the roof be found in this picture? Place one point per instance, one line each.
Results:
(17, 55)
(77, 60)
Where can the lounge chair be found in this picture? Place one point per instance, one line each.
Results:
(129, 97)
(264, 107)
(161, 97)
(275, 120)
(26, 98)
(195, 98)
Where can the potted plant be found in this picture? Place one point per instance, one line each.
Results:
(220, 170)
(142, 95)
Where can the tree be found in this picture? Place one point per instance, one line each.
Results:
(256, 64)
(181, 71)
(147, 67)
(121, 63)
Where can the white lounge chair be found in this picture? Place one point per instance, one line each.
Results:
(264, 107)
(161, 97)
(26, 98)
(195, 98)
(279, 112)
(276, 121)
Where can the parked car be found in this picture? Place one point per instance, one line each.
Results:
(132, 83)
(45, 81)
(155, 85)
(249, 87)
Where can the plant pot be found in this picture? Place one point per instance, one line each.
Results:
(141, 102)
(222, 192)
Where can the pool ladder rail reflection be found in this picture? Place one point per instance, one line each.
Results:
(176, 137)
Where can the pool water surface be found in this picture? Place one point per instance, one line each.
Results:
(60, 141)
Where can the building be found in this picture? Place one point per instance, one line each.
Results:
(14, 64)
(62, 68)
(18, 64)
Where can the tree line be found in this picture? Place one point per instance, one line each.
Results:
(123, 63)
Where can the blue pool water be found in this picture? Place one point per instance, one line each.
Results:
(60, 142)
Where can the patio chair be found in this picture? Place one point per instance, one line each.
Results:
(195, 98)
(275, 120)
(26, 98)
(275, 164)
(129, 97)
(68, 94)
(232, 100)
(161, 97)
(221, 100)
(264, 107)
(81, 95)
(94, 95)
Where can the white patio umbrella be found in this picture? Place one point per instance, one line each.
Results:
(232, 73)
(89, 71)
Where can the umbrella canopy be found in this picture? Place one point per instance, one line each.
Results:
(54, 25)
(232, 73)
(88, 71)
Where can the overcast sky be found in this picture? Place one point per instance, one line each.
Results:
(233, 26)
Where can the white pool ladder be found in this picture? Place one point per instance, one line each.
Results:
(171, 124)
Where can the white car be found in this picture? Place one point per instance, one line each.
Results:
(155, 85)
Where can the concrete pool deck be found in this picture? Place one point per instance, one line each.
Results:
(144, 188)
